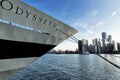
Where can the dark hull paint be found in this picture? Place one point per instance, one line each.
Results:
(15, 49)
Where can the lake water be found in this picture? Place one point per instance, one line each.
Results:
(69, 67)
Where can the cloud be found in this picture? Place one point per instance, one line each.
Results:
(114, 13)
(88, 27)
(89, 31)
(94, 13)
(89, 22)
(100, 23)
(84, 26)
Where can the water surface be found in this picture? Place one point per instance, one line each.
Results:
(69, 67)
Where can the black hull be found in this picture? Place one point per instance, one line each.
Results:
(15, 49)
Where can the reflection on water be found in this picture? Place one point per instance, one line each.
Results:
(69, 67)
(115, 58)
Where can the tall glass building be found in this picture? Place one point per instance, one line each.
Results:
(109, 38)
(104, 40)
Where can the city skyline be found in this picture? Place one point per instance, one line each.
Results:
(89, 17)
(105, 45)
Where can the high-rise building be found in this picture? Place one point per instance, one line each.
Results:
(99, 46)
(84, 45)
(96, 41)
(109, 38)
(118, 46)
(93, 41)
(80, 46)
(104, 40)
(104, 36)
(95, 46)
(115, 46)
(91, 48)
(85, 42)
(110, 47)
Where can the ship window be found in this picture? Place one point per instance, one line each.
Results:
(24, 27)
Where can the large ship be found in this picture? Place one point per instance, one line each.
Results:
(27, 33)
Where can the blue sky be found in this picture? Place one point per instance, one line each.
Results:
(89, 17)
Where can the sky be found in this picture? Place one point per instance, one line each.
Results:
(89, 17)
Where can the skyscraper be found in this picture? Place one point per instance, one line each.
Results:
(80, 46)
(115, 45)
(97, 45)
(109, 38)
(96, 41)
(104, 40)
(84, 45)
(93, 41)
(104, 36)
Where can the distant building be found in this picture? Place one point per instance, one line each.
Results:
(104, 45)
(96, 41)
(99, 46)
(118, 46)
(110, 48)
(91, 48)
(80, 46)
(96, 45)
(84, 45)
(93, 41)
(115, 46)
(109, 38)
(104, 40)
(104, 36)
